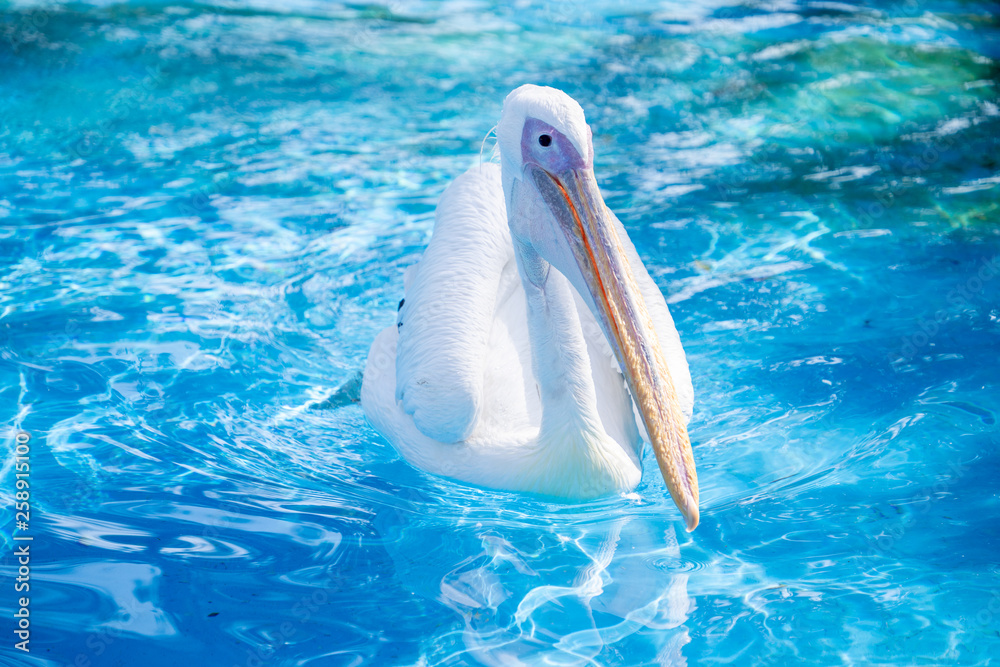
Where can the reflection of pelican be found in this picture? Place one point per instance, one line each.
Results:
(501, 370)
(566, 591)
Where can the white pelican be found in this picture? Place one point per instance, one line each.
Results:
(505, 366)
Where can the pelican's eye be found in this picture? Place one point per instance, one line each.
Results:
(545, 139)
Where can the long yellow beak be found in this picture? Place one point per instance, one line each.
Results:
(616, 299)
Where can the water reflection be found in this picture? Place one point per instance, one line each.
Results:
(556, 593)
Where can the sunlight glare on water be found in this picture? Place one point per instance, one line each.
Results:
(206, 210)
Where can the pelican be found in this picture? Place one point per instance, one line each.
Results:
(532, 351)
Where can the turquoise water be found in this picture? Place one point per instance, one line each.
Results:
(205, 213)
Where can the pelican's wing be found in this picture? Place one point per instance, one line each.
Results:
(450, 305)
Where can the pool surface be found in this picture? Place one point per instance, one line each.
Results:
(206, 210)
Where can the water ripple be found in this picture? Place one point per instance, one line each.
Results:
(205, 215)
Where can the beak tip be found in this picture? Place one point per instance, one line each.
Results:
(691, 518)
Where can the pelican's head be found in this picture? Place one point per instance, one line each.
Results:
(555, 207)
(531, 113)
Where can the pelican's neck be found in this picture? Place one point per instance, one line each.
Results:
(558, 350)
(574, 456)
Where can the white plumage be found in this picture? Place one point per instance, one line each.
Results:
(497, 372)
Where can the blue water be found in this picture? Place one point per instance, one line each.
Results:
(205, 213)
